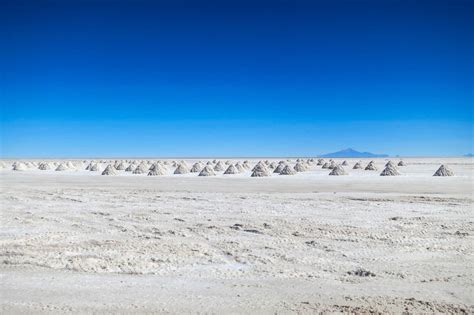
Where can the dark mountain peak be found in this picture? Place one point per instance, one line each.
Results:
(350, 152)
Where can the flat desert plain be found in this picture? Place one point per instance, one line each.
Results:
(76, 241)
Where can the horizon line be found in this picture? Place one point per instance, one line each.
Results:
(231, 157)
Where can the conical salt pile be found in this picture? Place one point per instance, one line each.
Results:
(161, 168)
(345, 163)
(357, 166)
(61, 167)
(279, 168)
(338, 170)
(88, 167)
(300, 167)
(94, 167)
(120, 167)
(44, 166)
(219, 167)
(157, 170)
(181, 169)
(130, 168)
(142, 168)
(371, 166)
(390, 163)
(231, 170)
(207, 171)
(70, 165)
(320, 162)
(19, 166)
(390, 170)
(239, 167)
(401, 163)
(260, 163)
(287, 170)
(443, 171)
(332, 165)
(157, 164)
(109, 170)
(153, 172)
(325, 165)
(196, 168)
(260, 171)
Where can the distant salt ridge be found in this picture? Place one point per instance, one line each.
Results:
(351, 153)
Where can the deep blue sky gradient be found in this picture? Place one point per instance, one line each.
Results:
(235, 78)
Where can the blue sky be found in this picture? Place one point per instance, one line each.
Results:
(288, 78)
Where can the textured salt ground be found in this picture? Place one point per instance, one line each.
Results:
(78, 243)
(112, 294)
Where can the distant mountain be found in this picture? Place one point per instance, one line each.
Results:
(352, 153)
(469, 155)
